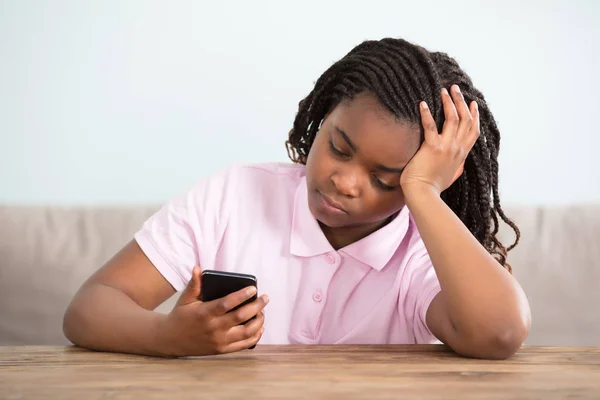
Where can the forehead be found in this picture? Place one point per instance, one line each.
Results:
(376, 132)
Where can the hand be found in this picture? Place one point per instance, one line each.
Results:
(195, 328)
(441, 158)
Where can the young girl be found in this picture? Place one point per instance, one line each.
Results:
(383, 230)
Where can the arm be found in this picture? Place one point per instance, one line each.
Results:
(481, 310)
(112, 311)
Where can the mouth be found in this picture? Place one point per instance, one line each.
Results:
(331, 205)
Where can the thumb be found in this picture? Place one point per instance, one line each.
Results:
(191, 293)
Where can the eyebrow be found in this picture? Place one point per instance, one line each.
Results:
(346, 138)
(354, 149)
(388, 169)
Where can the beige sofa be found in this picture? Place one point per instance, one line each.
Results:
(47, 252)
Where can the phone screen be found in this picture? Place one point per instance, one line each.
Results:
(218, 284)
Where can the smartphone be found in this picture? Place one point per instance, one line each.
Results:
(218, 284)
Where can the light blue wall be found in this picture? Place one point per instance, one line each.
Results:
(112, 102)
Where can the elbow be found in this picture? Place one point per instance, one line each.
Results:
(504, 344)
(505, 333)
(67, 325)
(498, 345)
(71, 322)
(510, 337)
(496, 342)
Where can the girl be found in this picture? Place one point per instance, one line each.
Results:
(383, 230)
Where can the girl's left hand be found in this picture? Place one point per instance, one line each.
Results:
(440, 159)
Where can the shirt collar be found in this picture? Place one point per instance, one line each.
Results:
(308, 240)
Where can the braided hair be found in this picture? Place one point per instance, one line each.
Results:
(401, 75)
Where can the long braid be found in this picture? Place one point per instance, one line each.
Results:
(402, 75)
(485, 155)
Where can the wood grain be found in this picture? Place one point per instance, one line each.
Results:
(311, 372)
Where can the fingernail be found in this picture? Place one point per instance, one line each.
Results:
(251, 291)
(456, 89)
(424, 105)
(444, 91)
(266, 299)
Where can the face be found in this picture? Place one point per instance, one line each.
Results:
(354, 165)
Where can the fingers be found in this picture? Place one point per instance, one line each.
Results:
(191, 293)
(475, 130)
(464, 115)
(459, 118)
(429, 128)
(451, 118)
(229, 338)
(223, 305)
(244, 313)
(250, 329)
(244, 344)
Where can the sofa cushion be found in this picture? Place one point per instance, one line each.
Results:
(46, 253)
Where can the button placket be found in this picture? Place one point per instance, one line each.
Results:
(315, 293)
(318, 293)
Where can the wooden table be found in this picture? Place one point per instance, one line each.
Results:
(307, 372)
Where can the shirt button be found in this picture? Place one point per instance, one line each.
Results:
(317, 296)
(330, 259)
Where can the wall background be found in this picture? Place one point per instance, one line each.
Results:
(127, 102)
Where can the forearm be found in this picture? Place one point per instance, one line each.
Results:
(106, 319)
(484, 302)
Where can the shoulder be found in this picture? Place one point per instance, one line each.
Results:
(266, 186)
(269, 171)
(235, 179)
(261, 178)
(245, 187)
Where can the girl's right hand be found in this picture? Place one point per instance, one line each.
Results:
(195, 328)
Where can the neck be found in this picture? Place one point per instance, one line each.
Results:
(345, 236)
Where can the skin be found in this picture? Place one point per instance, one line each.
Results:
(480, 312)
(350, 161)
(112, 311)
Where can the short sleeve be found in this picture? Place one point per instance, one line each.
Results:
(424, 286)
(186, 231)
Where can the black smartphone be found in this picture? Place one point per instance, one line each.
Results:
(218, 284)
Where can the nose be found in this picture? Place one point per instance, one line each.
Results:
(347, 183)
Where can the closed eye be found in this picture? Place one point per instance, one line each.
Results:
(341, 154)
(335, 151)
(383, 185)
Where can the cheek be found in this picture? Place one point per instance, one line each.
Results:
(318, 160)
(312, 164)
(314, 169)
(384, 205)
(396, 203)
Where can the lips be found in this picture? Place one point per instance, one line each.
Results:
(333, 204)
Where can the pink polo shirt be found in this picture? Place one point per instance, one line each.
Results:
(255, 219)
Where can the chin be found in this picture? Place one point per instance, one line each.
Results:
(331, 224)
(326, 218)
